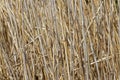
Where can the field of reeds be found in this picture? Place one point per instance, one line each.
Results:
(59, 39)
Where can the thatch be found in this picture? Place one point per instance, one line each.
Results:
(59, 40)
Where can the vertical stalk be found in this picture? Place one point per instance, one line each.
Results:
(86, 60)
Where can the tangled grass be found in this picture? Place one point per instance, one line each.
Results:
(59, 40)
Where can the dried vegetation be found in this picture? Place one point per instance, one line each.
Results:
(59, 40)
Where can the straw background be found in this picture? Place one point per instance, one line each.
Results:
(59, 39)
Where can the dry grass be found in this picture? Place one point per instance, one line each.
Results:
(59, 40)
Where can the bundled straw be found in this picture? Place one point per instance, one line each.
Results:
(59, 40)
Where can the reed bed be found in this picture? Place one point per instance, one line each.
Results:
(59, 40)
